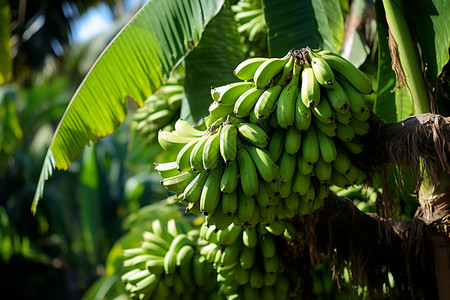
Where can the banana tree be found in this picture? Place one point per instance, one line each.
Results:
(407, 140)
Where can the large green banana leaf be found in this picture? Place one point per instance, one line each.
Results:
(136, 63)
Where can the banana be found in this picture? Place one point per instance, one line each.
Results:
(218, 110)
(230, 178)
(247, 257)
(155, 266)
(304, 167)
(360, 127)
(338, 98)
(183, 157)
(228, 143)
(345, 132)
(268, 245)
(324, 192)
(322, 71)
(158, 229)
(292, 201)
(310, 89)
(269, 281)
(183, 128)
(266, 167)
(267, 214)
(276, 144)
(211, 152)
(303, 115)
(271, 265)
(256, 281)
(233, 233)
(327, 129)
(293, 140)
(358, 107)
(171, 142)
(327, 147)
(310, 148)
(241, 276)
(248, 173)
(160, 118)
(262, 197)
(310, 194)
(152, 237)
(342, 162)
(266, 102)
(339, 180)
(250, 237)
(355, 146)
(323, 111)
(146, 286)
(194, 208)
(221, 219)
(354, 76)
(153, 248)
(168, 169)
(287, 99)
(174, 231)
(323, 170)
(287, 166)
(230, 203)
(253, 133)
(246, 207)
(300, 184)
(170, 261)
(286, 188)
(198, 270)
(246, 69)
(196, 157)
(228, 94)
(193, 190)
(184, 255)
(283, 77)
(352, 174)
(177, 183)
(268, 69)
(246, 102)
(210, 195)
(344, 118)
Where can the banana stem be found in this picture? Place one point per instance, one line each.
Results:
(408, 58)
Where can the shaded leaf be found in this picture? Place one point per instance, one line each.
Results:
(5, 57)
(211, 64)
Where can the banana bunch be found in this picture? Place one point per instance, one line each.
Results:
(160, 110)
(252, 26)
(167, 265)
(246, 258)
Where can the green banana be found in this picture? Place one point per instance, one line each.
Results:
(241, 276)
(360, 127)
(293, 140)
(339, 180)
(262, 197)
(303, 166)
(276, 144)
(218, 110)
(196, 157)
(198, 270)
(183, 128)
(354, 76)
(292, 201)
(287, 166)
(322, 71)
(233, 233)
(246, 102)
(323, 170)
(300, 184)
(170, 261)
(230, 178)
(246, 207)
(327, 147)
(286, 188)
(310, 148)
(250, 237)
(221, 219)
(287, 99)
(355, 146)
(266, 167)
(266, 102)
(183, 157)
(310, 89)
(171, 142)
(345, 132)
(327, 129)
(344, 118)
(194, 207)
(303, 115)
(256, 281)
(267, 214)
(168, 169)
(253, 133)
(268, 245)
(323, 112)
(269, 281)
(184, 255)
(228, 143)
(174, 231)
(271, 265)
(211, 152)
(230, 203)
(248, 173)
(160, 118)
(283, 77)
(177, 183)
(246, 69)
(210, 195)
(310, 194)
(193, 190)
(153, 248)
(247, 257)
(338, 98)
(342, 162)
(268, 69)
(358, 107)
(228, 94)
